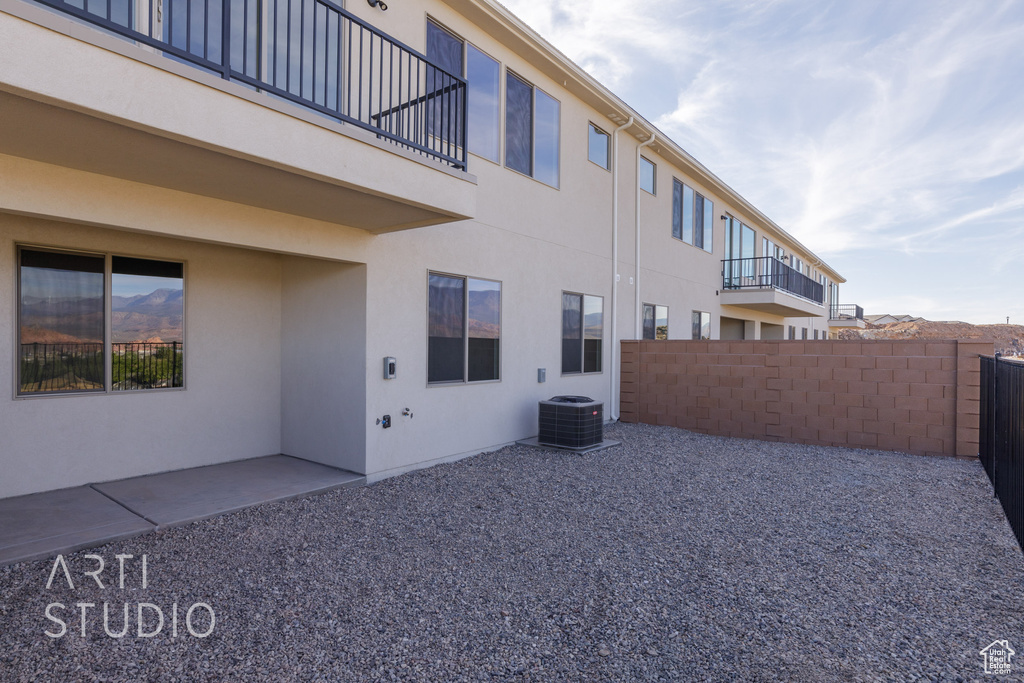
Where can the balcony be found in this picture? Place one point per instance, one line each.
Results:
(847, 315)
(350, 126)
(767, 285)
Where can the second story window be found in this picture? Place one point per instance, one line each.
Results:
(693, 216)
(648, 181)
(483, 75)
(532, 130)
(483, 79)
(597, 146)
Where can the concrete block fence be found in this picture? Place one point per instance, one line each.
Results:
(912, 396)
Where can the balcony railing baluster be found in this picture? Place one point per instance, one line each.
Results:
(767, 272)
(846, 312)
(362, 76)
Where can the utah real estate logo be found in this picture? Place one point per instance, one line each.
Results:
(997, 657)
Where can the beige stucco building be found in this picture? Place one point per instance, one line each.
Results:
(203, 262)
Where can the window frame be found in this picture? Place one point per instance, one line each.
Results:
(465, 330)
(534, 90)
(466, 45)
(685, 196)
(107, 343)
(583, 334)
(469, 121)
(654, 177)
(593, 128)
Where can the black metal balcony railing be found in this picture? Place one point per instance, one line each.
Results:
(79, 366)
(767, 272)
(846, 312)
(311, 52)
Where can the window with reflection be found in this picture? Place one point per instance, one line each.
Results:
(446, 51)
(518, 125)
(532, 130)
(546, 138)
(582, 333)
(740, 267)
(598, 146)
(484, 81)
(464, 329)
(701, 325)
(147, 312)
(655, 321)
(693, 216)
(648, 175)
(62, 328)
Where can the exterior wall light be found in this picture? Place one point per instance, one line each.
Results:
(378, 3)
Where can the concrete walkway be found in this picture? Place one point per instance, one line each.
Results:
(45, 524)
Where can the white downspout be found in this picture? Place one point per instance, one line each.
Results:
(636, 219)
(613, 399)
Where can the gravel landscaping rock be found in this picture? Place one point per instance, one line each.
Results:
(675, 556)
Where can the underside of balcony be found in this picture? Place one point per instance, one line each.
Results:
(773, 302)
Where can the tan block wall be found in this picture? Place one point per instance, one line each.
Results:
(919, 396)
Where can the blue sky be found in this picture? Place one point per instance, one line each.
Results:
(886, 136)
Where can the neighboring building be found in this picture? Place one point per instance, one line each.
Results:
(887, 318)
(208, 262)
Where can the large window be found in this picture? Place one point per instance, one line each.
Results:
(67, 343)
(655, 321)
(582, 333)
(649, 177)
(483, 78)
(693, 216)
(532, 130)
(464, 329)
(597, 146)
(701, 325)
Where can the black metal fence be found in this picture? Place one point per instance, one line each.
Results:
(846, 312)
(1001, 438)
(48, 368)
(311, 52)
(768, 272)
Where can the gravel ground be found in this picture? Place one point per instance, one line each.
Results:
(675, 556)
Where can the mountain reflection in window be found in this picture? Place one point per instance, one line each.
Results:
(446, 327)
(484, 329)
(147, 312)
(61, 328)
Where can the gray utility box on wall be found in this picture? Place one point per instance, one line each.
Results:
(571, 422)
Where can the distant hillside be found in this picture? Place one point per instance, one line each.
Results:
(1008, 339)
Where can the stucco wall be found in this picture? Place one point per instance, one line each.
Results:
(323, 362)
(231, 405)
(912, 396)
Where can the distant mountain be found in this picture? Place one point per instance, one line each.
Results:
(147, 317)
(67, 319)
(159, 302)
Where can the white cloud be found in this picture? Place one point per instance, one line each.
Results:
(864, 128)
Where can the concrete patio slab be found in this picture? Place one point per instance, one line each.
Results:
(188, 495)
(44, 524)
